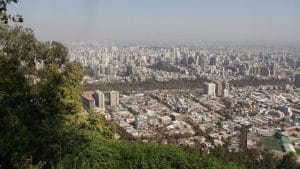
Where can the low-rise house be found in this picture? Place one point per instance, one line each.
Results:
(165, 120)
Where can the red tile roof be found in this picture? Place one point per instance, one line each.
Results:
(88, 95)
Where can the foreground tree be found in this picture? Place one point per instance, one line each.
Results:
(4, 17)
(38, 88)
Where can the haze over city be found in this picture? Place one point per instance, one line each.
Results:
(139, 84)
(75, 20)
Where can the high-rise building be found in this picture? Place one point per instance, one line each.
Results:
(212, 61)
(99, 99)
(129, 70)
(102, 69)
(109, 70)
(254, 70)
(114, 98)
(226, 85)
(225, 91)
(219, 89)
(297, 80)
(210, 89)
(298, 63)
(264, 71)
(202, 62)
(272, 71)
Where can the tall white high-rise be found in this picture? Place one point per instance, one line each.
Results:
(210, 89)
(114, 98)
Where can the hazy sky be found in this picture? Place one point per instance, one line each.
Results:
(162, 19)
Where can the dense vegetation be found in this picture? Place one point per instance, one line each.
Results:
(163, 66)
(148, 85)
(181, 84)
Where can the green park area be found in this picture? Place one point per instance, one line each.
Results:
(271, 143)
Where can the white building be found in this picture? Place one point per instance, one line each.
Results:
(210, 89)
(114, 98)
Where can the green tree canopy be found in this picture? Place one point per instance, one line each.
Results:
(4, 17)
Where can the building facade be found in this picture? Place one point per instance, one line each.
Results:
(297, 80)
(99, 99)
(210, 89)
(114, 98)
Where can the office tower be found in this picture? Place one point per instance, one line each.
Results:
(109, 70)
(99, 99)
(264, 71)
(219, 89)
(191, 60)
(225, 92)
(226, 85)
(114, 98)
(298, 63)
(102, 69)
(202, 61)
(254, 70)
(212, 61)
(226, 89)
(297, 80)
(129, 71)
(272, 70)
(197, 60)
(210, 89)
(95, 70)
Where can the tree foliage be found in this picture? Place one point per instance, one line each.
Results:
(39, 88)
(4, 17)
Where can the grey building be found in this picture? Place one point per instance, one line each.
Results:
(297, 80)
(99, 99)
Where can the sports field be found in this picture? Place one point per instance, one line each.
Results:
(271, 143)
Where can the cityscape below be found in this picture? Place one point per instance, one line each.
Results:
(201, 94)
